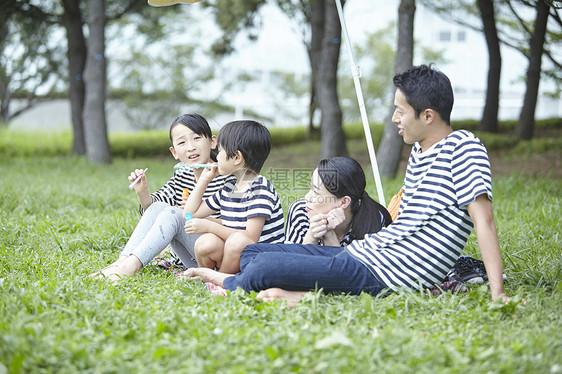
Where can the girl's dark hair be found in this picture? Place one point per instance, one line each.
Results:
(343, 176)
(196, 123)
(249, 137)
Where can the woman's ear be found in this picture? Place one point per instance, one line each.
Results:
(213, 142)
(345, 202)
(173, 151)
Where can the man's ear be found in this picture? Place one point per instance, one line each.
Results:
(345, 202)
(173, 151)
(428, 115)
(213, 142)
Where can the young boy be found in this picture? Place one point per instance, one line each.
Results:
(447, 190)
(250, 208)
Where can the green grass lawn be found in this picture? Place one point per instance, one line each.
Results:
(62, 218)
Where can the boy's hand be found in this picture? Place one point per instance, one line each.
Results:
(197, 226)
(209, 174)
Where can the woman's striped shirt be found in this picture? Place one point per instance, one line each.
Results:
(298, 224)
(259, 200)
(424, 243)
(171, 192)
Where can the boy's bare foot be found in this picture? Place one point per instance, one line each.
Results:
(292, 297)
(124, 267)
(205, 275)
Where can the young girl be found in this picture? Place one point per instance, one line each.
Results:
(163, 222)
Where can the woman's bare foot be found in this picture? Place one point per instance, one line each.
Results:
(122, 268)
(292, 297)
(205, 275)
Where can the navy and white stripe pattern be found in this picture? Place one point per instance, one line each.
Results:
(171, 192)
(259, 200)
(424, 243)
(298, 224)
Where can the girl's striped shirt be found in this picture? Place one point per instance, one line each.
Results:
(259, 200)
(171, 192)
(424, 243)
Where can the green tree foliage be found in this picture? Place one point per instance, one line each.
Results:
(30, 56)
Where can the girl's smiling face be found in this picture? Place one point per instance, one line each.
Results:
(191, 148)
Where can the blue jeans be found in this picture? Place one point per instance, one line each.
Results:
(299, 267)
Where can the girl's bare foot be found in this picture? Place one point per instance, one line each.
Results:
(122, 268)
(292, 297)
(205, 275)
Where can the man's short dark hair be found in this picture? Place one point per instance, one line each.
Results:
(425, 87)
(251, 138)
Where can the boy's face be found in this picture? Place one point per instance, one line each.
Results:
(191, 148)
(226, 165)
(412, 129)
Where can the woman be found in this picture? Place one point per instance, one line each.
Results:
(336, 211)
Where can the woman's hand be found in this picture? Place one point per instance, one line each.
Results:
(318, 226)
(197, 226)
(335, 217)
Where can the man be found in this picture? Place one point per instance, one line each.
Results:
(447, 190)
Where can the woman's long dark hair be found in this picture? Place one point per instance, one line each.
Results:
(343, 176)
(196, 123)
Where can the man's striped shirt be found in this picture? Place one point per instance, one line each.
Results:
(259, 200)
(424, 243)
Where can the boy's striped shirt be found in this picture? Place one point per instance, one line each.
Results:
(259, 200)
(424, 243)
(171, 192)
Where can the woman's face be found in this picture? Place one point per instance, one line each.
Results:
(319, 200)
(189, 147)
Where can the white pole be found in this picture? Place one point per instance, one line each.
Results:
(356, 75)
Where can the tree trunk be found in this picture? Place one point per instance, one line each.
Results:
(317, 17)
(76, 55)
(332, 136)
(95, 128)
(489, 121)
(526, 124)
(391, 143)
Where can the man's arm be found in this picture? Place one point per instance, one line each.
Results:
(480, 210)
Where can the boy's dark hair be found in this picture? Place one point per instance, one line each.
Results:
(251, 138)
(344, 176)
(425, 87)
(196, 123)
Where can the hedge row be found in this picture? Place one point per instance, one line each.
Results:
(15, 143)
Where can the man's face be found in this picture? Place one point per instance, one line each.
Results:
(412, 129)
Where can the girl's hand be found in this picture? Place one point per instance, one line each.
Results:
(335, 217)
(196, 226)
(142, 184)
(318, 226)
